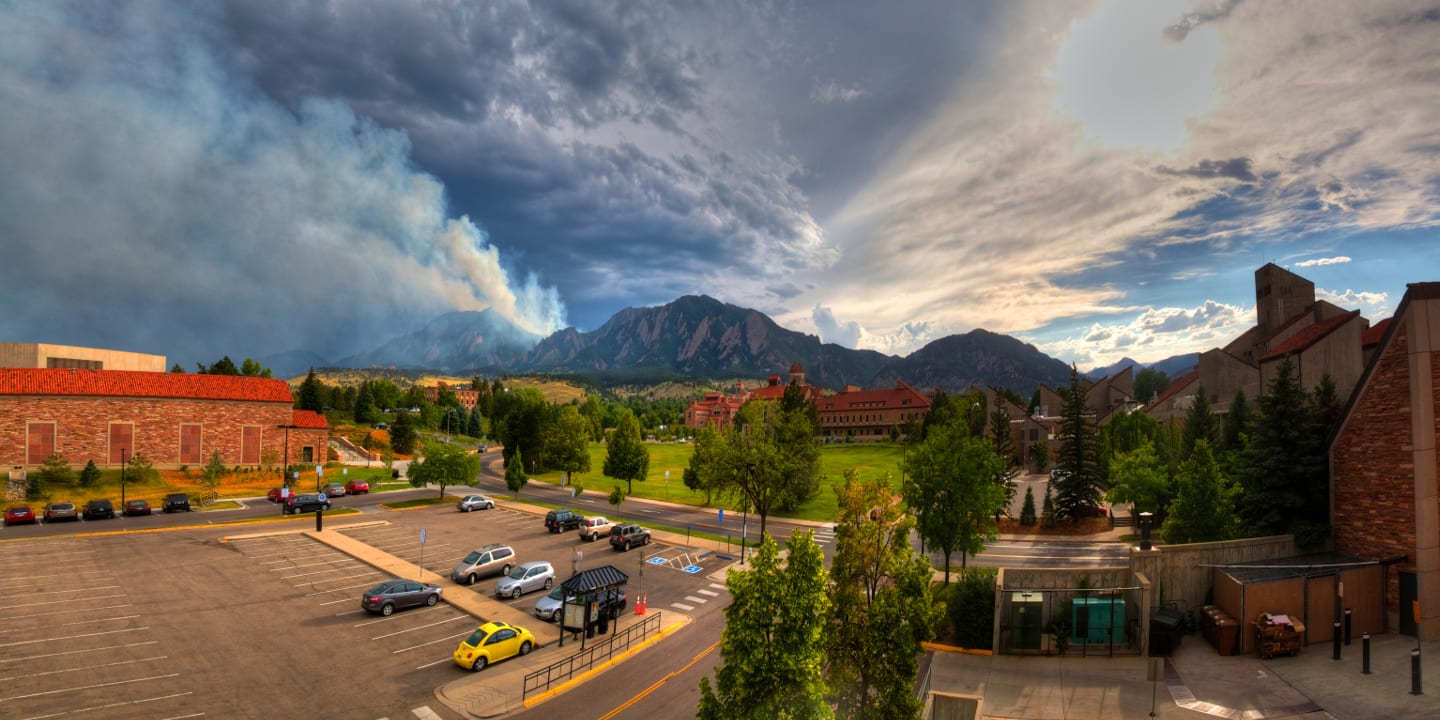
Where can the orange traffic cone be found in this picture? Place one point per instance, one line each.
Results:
(640, 605)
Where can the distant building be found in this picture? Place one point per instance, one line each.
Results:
(466, 395)
(41, 355)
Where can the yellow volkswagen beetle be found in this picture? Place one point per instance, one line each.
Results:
(492, 642)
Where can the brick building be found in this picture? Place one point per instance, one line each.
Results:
(1383, 464)
(870, 415)
(171, 419)
(463, 393)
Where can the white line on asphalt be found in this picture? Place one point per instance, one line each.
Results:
(315, 572)
(313, 564)
(422, 627)
(74, 652)
(344, 599)
(71, 637)
(682, 606)
(57, 592)
(424, 713)
(717, 586)
(692, 598)
(711, 593)
(118, 704)
(447, 638)
(63, 612)
(89, 687)
(71, 600)
(433, 664)
(65, 575)
(87, 667)
(94, 620)
(397, 617)
(47, 558)
(338, 589)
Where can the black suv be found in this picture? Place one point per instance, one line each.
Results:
(562, 520)
(623, 537)
(306, 502)
(98, 509)
(175, 502)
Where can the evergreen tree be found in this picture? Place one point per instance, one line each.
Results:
(364, 405)
(89, 475)
(1077, 484)
(1047, 510)
(626, 457)
(1281, 462)
(1200, 423)
(403, 434)
(515, 477)
(1149, 383)
(1027, 513)
(1004, 448)
(773, 644)
(54, 471)
(1204, 506)
(1237, 423)
(177, 369)
(214, 471)
(473, 426)
(310, 393)
(883, 609)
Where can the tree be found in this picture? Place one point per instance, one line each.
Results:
(177, 369)
(515, 478)
(89, 475)
(473, 426)
(1077, 482)
(794, 431)
(139, 470)
(566, 441)
(1027, 512)
(617, 496)
(223, 366)
(1005, 451)
(1284, 464)
(310, 393)
(251, 368)
(214, 470)
(626, 457)
(403, 434)
(445, 464)
(706, 470)
(883, 609)
(1047, 509)
(1200, 423)
(364, 405)
(950, 488)
(1137, 479)
(1040, 455)
(1204, 506)
(767, 459)
(773, 645)
(55, 471)
(518, 422)
(1149, 383)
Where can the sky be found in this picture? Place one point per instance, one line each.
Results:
(1099, 179)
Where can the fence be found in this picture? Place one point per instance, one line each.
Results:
(618, 643)
(1071, 621)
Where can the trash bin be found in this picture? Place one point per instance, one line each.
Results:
(1227, 635)
(1164, 631)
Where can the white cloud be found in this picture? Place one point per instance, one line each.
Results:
(833, 92)
(833, 331)
(1373, 305)
(1155, 334)
(1317, 262)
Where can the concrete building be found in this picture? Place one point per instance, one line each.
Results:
(42, 355)
(1383, 465)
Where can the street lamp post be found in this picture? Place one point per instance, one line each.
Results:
(122, 478)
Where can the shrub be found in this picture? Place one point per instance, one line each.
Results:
(971, 608)
(90, 475)
(1027, 513)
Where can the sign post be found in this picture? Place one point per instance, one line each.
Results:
(422, 555)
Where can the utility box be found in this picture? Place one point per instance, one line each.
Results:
(1097, 620)
(1027, 620)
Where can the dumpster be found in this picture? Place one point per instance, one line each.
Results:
(1164, 631)
(1227, 635)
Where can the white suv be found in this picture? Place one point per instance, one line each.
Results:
(594, 528)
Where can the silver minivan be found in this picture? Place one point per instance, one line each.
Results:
(482, 562)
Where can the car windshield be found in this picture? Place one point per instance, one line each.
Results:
(556, 594)
(476, 637)
(518, 573)
(473, 557)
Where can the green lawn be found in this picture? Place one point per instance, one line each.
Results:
(870, 459)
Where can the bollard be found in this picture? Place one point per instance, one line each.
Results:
(1335, 643)
(1347, 627)
(1365, 653)
(1415, 672)
(317, 521)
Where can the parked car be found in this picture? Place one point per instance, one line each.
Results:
(333, 490)
(136, 507)
(552, 606)
(392, 595)
(19, 515)
(475, 502)
(561, 520)
(274, 495)
(355, 487)
(482, 562)
(59, 511)
(529, 576)
(99, 510)
(306, 502)
(175, 502)
(595, 527)
(625, 536)
(492, 642)
(482, 449)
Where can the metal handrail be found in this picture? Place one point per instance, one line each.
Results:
(619, 642)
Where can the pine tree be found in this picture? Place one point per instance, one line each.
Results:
(1200, 423)
(1047, 510)
(1281, 461)
(1204, 505)
(89, 475)
(403, 434)
(515, 477)
(1005, 451)
(1027, 513)
(1077, 484)
(310, 391)
(364, 405)
(625, 455)
(473, 426)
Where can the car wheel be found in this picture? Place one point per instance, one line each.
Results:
(555, 615)
(647, 540)
(525, 648)
(490, 506)
(549, 583)
(479, 664)
(506, 570)
(387, 609)
(472, 578)
(625, 547)
(515, 592)
(432, 600)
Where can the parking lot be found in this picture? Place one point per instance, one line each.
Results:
(185, 623)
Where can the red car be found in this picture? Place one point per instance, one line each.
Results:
(355, 487)
(18, 515)
(136, 507)
(273, 495)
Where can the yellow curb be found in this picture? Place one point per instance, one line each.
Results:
(954, 649)
(595, 670)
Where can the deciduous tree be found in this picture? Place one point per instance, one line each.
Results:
(1204, 506)
(950, 488)
(626, 457)
(773, 645)
(566, 441)
(1136, 478)
(445, 464)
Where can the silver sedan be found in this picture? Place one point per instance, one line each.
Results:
(475, 502)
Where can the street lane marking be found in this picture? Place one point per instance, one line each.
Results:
(692, 598)
(717, 586)
(89, 687)
(424, 713)
(643, 693)
(682, 606)
(711, 593)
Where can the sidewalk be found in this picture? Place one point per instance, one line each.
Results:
(1197, 682)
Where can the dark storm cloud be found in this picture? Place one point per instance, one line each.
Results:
(1205, 13)
(1234, 168)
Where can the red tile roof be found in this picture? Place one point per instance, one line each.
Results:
(889, 398)
(134, 383)
(1309, 336)
(1375, 333)
(308, 419)
(1174, 388)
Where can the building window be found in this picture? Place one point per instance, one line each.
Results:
(307, 454)
(250, 445)
(190, 444)
(122, 443)
(39, 442)
(59, 362)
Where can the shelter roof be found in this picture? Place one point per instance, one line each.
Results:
(1313, 565)
(587, 581)
(135, 383)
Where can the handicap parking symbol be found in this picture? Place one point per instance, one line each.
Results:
(657, 561)
(692, 569)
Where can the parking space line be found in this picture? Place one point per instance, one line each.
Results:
(87, 667)
(47, 557)
(95, 620)
(57, 592)
(73, 652)
(467, 618)
(64, 575)
(71, 637)
(119, 704)
(347, 587)
(64, 612)
(89, 687)
(52, 602)
(437, 662)
(437, 608)
(313, 564)
(449, 638)
(347, 612)
(315, 572)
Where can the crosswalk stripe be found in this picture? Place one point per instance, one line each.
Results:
(711, 593)
(694, 599)
(717, 586)
(682, 606)
(424, 713)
